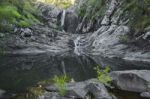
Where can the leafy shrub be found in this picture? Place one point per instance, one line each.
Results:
(61, 82)
(102, 75)
(61, 3)
(96, 8)
(20, 13)
(138, 13)
(37, 91)
(124, 38)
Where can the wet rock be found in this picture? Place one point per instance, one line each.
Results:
(131, 80)
(147, 34)
(81, 89)
(2, 35)
(98, 91)
(71, 22)
(145, 94)
(109, 12)
(2, 92)
(49, 11)
(41, 39)
(47, 95)
(106, 39)
(26, 32)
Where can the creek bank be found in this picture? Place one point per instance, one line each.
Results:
(81, 90)
(108, 38)
(133, 81)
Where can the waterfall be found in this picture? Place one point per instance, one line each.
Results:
(63, 18)
(77, 46)
(63, 67)
(82, 44)
(79, 43)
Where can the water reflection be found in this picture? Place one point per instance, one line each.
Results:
(17, 72)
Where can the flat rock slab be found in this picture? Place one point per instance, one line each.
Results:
(132, 80)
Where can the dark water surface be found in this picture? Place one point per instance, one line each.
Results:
(19, 72)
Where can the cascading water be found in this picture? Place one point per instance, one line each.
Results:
(63, 18)
(77, 46)
(82, 45)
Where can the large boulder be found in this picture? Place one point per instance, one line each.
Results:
(145, 95)
(132, 80)
(82, 89)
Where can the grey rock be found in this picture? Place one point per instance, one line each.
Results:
(2, 35)
(2, 92)
(105, 38)
(98, 90)
(48, 95)
(81, 89)
(145, 94)
(109, 12)
(41, 39)
(71, 22)
(146, 35)
(131, 80)
(26, 32)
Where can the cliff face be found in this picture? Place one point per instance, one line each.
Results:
(120, 28)
(96, 28)
(134, 14)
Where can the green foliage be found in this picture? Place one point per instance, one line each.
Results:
(37, 91)
(9, 12)
(138, 12)
(24, 23)
(61, 3)
(20, 13)
(124, 38)
(45, 82)
(93, 8)
(61, 82)
(102, 75)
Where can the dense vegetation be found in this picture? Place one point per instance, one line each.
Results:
(137, 11)
(19, 13)
(61, 3)
(23, 13)
(103, 75)
(96, 8)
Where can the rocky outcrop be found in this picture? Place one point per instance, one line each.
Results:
(112, 38)
(132, 80)
(82, 89)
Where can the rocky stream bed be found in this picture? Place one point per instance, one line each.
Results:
(65, 44)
